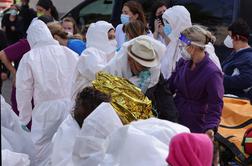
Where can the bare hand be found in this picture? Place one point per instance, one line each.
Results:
(156, 25)
(210, 134)
(4, 76)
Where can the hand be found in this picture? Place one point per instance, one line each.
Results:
(156, 24)
(4, 76)
(210, 134)
(161, 29)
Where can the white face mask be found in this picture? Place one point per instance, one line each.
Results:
(184, 53)
(111, 48)
(113, 43)
(69, 34)
(228, 42)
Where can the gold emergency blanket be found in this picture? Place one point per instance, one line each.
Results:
(127, 100)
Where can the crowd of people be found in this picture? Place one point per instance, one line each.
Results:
(57, 117)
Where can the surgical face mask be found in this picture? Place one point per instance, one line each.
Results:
(69, 33)
(39, 14)
(167, 29)
(184, 53)
(113, 43)
(125, 19)
(111, 49)
(13, 12)
(228, 42)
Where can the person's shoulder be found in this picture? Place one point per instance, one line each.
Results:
(76, 41)
(244, 55)
(119, 27)
(245, 52)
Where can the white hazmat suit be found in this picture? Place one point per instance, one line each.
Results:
(45, 74)
(14, 138)
(98, 53)
(179, 19)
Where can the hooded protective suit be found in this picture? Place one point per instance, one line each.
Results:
(63, 142)
(89, 144)
(144, 142)
(97, 37)
(140, 143)
(98, 53)
(179, 19)
(14, 138)
(44, 74)
(10, 158)
(117, 66)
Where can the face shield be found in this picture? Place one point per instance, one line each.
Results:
(184, 41)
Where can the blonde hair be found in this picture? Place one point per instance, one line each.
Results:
(199, 35)
(57, 29)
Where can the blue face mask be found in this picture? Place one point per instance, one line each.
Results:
(12, 12)
(125, 19)
(167, 29)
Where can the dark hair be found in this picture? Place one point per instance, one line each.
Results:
(136, 8)
(134, 29)
(46, 19)
(157, 5)
(86, 102)
(241, 28)
(48, 4)
(70, 19)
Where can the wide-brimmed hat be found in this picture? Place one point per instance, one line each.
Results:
(143, 52)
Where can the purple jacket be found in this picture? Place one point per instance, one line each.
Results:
(199, 94)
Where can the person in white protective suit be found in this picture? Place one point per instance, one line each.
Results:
(14, 138)
(139, 62)
(103, 141)
(63, 141)
(141, 143)
(10, 158)
(101, 48)
(89, 144)
(44, 74)
(176, 19)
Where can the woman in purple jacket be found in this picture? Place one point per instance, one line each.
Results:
(198, 83)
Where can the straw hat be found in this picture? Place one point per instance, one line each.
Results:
(143, 52)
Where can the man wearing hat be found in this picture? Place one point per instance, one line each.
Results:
(139, 62)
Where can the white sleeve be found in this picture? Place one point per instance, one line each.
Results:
(119, 35)
(212, 55)
(24, 90)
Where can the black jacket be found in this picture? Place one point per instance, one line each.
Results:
(162, 100)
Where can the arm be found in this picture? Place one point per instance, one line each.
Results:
(215, 93)
(241, 81)
(156, 25)
(14, 52)
(7, 62)
(164, 101)
(24, 91)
